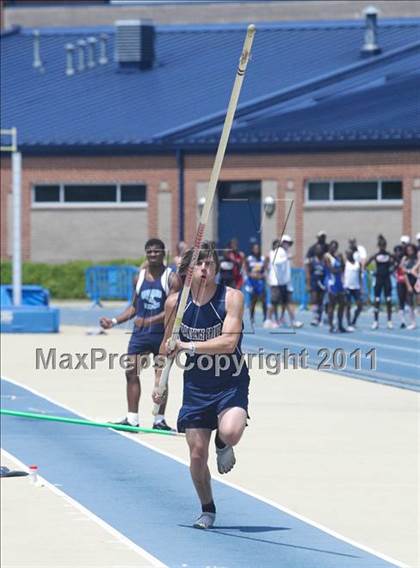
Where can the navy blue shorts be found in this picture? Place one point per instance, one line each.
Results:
(201, 407)
(144, 343)
(354, 294)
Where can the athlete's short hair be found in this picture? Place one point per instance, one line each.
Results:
(207, 249)
(154, 243)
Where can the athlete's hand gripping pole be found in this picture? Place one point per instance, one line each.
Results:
(211, 190)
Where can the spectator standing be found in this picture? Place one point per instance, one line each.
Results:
(283, 273)
(321, 239)
(409, 264)
(256, 266)
(335, 288)
(352, 287)
(238, 259)
(315, 282)
(401, 284)
(384, 266)
(154, 284)
(272, 320)
(227, 268)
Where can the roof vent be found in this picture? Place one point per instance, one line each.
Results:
(91, 45)
(370, 46)
(81, 46)
(69, 59)
(103, 58)
(37, 63)
(135, 44)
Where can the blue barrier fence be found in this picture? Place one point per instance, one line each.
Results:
(301, 297)
(110, 283)
(116, 283)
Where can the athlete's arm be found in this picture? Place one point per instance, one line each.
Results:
(127, 314)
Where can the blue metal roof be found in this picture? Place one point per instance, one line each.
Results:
(184, 97)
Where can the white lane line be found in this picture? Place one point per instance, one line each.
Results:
(229, 484)
(318, 346)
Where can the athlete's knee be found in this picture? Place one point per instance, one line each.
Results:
(198, 456)
(231, 433)
(132, 376)
(232, 438)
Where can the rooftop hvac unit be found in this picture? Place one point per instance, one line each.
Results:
(135, 44)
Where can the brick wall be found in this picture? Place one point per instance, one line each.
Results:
(150, 170)
(289, 171)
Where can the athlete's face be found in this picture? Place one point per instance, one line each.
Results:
(205, 270)
(155, 255)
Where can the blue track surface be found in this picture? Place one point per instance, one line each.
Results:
(397, 350)
(149, 498)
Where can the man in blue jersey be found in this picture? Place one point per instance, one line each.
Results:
(153, 286)
(256, 266)
(216, 379)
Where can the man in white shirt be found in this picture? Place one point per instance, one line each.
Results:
(280, 281)
(359, 252)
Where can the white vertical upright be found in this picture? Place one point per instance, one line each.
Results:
(17, 234)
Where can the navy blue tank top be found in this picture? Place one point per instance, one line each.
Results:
(150, 301)
(317, 270)
(200, 323)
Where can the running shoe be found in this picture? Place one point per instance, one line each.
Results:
(161, 425)
(390, 325)
(375, 325)
(315, 322)
(342, 329)
(350, 328)
(411, 326)
(297, 324)
(402, 325)
(205, 521)
(225, 459)
(125, 422)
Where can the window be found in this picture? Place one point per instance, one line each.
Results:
(319, 191)
(345, 191)
(46, 193)
(339, 191)
(89, 193)
(250, 190)
(391, 190)
(100, 194)
(133, 193)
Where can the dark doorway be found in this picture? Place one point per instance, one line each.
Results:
(239, 213)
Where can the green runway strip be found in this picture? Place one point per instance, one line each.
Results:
(81, 422)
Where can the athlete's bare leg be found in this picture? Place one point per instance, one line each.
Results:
(198, 440)
(133, 383)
